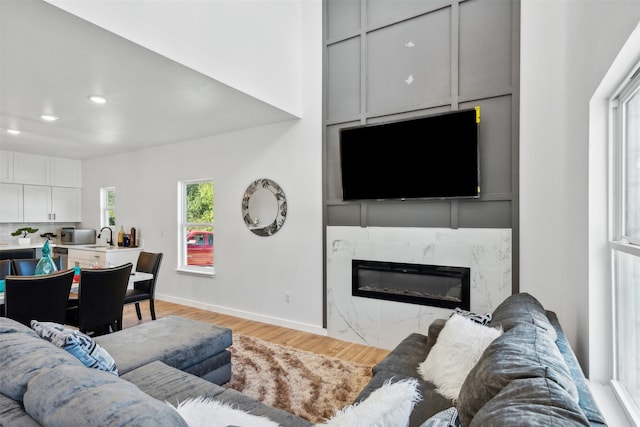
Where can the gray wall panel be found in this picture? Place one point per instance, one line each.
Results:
(485, 46)
(495, 144)
(494, 214)
(409, 63)
(409, 214)
(343, 214)
(343, 83)
(342, 18)
(382, 12)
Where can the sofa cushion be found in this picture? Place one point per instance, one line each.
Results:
(9, 326)
(524, 351)
(405, 358)
(79, 345)
(169, 384)
(534, 402)
(519, 309)
(22, 356)
(176, 341)
(12, 414)
(89, 397)
(460, 345)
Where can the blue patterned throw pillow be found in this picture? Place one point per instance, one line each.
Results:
(482, 319)
(447, 418)
(81, 346)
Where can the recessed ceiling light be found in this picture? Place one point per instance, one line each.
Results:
(97, 99)
(48, 118)
(13, 131)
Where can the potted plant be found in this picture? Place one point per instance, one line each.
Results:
(24, 240)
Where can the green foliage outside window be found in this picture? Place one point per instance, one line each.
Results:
(200, 204)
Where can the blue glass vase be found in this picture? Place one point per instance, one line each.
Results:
(46, 264)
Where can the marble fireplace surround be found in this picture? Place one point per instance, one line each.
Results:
(383, 324)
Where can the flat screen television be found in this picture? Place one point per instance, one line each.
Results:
(429, 157)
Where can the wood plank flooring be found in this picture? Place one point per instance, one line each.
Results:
(314, 343)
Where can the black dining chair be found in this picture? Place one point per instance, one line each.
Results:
(5, 270)
(100, 300)
(42, 298)
(27, 266)
(148, 262)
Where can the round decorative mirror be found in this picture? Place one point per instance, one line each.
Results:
(264, 207)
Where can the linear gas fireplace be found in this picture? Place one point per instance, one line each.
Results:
(434, 285)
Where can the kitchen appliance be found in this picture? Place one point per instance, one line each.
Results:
(77, 236)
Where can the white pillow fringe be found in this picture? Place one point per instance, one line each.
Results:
(388, 406)
(208, 412)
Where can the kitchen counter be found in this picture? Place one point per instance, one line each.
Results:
(99, 248)
(15, 245)
(94, 247)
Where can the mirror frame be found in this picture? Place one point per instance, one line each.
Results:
(281, 200)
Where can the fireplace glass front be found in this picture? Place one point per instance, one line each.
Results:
(433, 285)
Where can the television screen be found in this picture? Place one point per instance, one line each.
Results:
(430, 157)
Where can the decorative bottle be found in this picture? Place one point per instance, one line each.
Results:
(46, 264)
(121, 236)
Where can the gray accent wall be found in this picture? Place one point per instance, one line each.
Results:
(394, 59)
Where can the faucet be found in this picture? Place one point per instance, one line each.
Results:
(110, 240)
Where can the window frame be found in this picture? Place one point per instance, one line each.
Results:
(104, 207)
(620, 242)
(182, 266)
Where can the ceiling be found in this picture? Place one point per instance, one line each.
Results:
(51, 61)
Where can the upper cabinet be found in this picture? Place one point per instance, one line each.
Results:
(11, 203)
(6, 166)
(66, 172)
(31, 169)
(34, 169)
(37, 188)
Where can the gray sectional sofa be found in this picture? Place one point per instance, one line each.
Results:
(168, 360)
(527, 376)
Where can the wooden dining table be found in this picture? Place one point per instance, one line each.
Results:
(136, 276)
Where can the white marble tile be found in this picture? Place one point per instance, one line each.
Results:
(487, 252)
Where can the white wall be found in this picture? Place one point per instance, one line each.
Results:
(566, 48)
(250, 45)
(252, 273)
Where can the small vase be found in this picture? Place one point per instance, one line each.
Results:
(24, 240)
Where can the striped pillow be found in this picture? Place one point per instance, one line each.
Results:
(482, 319)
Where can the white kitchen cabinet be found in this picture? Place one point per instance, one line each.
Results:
(11, 203)
(6, 166)
(66, 172)
(52, 204)
(31, 169)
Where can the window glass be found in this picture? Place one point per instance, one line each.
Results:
(196, 229)
(108, 207)
(628, 323)
(631, 132)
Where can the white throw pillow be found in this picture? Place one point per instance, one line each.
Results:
(460, 344)
(389, 406)
(206, 412)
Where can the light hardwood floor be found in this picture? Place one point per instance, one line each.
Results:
(319, 344)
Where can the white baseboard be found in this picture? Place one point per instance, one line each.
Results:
(245, 315)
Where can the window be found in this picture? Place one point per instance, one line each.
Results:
(625, 243)
(107, 207)
(195, 235)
